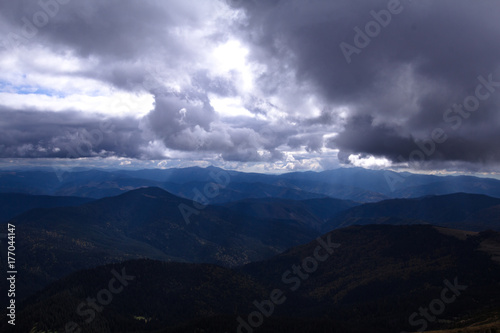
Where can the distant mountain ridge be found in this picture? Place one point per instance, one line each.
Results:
(459, 210)
(12, 204)
(146, 223)
(312, 212)
(356, 184)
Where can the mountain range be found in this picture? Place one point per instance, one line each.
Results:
(354, 184)
(146, 223)
(459, 210)
(206, 245)
(373, 280)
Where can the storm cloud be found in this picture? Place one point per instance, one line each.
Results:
(281, 83)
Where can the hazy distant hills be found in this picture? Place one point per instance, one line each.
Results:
(312, 212)
(235, 191)
(449, 185)
(459, 210)
(373, 282)
(12, 204)
(354, 184)
(92, 184)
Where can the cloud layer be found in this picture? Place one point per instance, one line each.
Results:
(282, 84)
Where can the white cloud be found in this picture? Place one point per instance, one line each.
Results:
(229, 106)
(119, 104)
(369, 162)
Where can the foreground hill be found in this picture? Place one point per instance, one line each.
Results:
(459, 210)
(144, 223)
(374, 281)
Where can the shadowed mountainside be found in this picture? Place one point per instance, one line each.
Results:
(375, 280)
(312, 212)
(144, 223)
(12, 204)
(459, 210)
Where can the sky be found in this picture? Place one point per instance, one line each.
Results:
(259, 85)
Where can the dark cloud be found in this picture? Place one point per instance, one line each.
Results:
(108, 29)
(398, 87)
(361, 135)
(311, 142)
(386, 101)
(66, 134)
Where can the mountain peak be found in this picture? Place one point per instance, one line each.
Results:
(151, 192)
